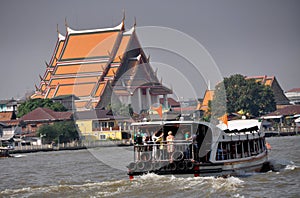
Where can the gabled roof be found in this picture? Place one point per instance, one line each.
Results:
(44, 114)
(89, 44)
(294, 90)
(171, 102)
(97, 114)
(84, 61)
(289, 110)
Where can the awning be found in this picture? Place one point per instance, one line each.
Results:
(297, 120)
(6, 137)
(272, 117)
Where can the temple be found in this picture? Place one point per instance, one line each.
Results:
(98, 66)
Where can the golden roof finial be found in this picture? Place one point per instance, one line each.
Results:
(134, 25)
(57, 29)
(66, 23)
(46, 64)
(36, 88)
(123, 20)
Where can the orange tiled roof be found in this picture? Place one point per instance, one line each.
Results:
(112, 71)
(80, 90)
(100, 89)
(73, 80)
(209, 94)
(122, 48)
(265, 80)
(89, 45)
(79, 68)
(48, 75)
(6, 116)
(57, 53)
(50, 93)
(80, 104)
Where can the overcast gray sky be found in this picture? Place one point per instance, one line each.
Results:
(250, 37)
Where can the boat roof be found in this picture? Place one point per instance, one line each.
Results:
(240, 124)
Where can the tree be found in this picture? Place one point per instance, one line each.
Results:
(64, 131)
(32, 104)
(120, 109)
(240, 94)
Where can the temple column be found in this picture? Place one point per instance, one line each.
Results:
(140, 98)
(148, 97)
(165, 100)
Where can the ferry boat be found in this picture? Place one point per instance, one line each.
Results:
(198, 148)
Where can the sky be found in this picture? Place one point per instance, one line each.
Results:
(248, 37)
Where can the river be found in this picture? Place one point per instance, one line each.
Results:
(86, 173)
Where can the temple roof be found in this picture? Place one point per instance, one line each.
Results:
(85, 61)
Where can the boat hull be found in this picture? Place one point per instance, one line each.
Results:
(232, 168)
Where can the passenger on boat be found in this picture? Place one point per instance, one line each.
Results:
(138, 142)
(148, 144)
(170, 144)
(157, 138)
(192, 150)
(187, 136)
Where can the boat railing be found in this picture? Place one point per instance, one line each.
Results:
(164, 151)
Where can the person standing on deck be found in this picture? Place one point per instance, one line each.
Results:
(170, 144)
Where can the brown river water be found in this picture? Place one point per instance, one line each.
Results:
(101, 172)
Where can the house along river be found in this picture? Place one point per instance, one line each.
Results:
(86, 173)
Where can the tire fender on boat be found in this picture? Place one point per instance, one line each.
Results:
(177, 155)
(132, 166)
(189, 165)
(145, 156)
(140, 165)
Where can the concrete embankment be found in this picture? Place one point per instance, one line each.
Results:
(60, 147)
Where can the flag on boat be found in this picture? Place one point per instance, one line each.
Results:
(158, 110)
(224, 119)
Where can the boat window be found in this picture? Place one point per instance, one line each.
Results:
(246, 148)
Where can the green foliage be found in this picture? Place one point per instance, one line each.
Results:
(64, 131)
(241, 94)
(218, 106)
(32, 104)
(121, 109)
